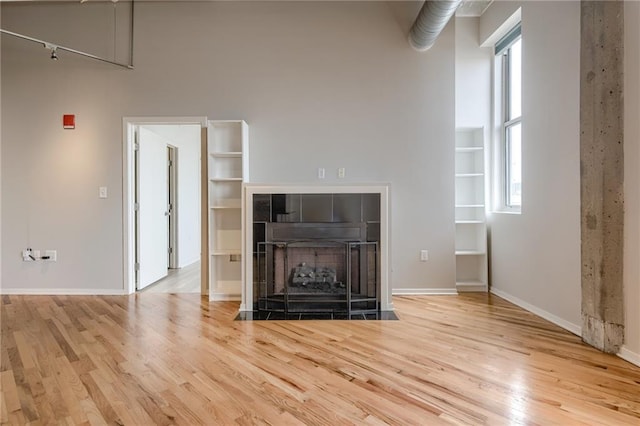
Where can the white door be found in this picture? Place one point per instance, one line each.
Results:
(153, 219)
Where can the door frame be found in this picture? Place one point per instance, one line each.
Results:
(129, 125)
(172, 200)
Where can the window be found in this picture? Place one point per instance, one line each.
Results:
(509, 66)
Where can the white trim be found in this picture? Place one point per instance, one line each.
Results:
(573, 328)
(424, 292)
(64, 291)
(128, 237)
(471, 287)
(627, 355)
(249, 189)
(200, 120)
(509, 212)
(189, 262)
(224, 297)
(503, 29)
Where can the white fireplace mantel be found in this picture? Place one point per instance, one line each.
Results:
(249, 189)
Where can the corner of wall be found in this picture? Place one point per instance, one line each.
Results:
(570, 327)
(631, 279)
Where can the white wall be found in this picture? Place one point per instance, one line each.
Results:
(631, 348)
(473, 76)
(473, 82)
(186, 138)
(535, 256)
(321, 84)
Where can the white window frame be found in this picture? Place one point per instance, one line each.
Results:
(503, 123)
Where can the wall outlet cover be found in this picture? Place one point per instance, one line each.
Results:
(424, 255)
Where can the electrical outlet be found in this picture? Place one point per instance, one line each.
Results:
(27, 255)
(424, 255)
(341, 172)
(320, 172)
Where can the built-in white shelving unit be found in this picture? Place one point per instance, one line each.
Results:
(471, 227)
(228, 168)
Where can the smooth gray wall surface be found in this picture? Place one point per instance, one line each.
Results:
(535, 256)
(321, 84)
(473, 78)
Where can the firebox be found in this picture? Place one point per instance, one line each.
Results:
(324, 265)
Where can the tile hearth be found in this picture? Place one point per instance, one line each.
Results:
(280, 316)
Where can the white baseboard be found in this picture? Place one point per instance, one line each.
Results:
(471, 287)
(627, 355)
(424, 291)
(188, 263)
(224, 297)
(573, 328)
(64, 291)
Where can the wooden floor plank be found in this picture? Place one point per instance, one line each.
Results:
(179, 359)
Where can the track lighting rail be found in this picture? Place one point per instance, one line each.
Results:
(55, 48)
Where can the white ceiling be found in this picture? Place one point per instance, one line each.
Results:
(473, 7)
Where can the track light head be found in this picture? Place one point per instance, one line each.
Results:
(54, 50)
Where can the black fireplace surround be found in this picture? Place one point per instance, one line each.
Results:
(316, 256)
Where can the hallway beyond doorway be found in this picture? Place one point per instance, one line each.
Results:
(183, 280)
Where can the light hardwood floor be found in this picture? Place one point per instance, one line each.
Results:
(178, 359)
(183, 280)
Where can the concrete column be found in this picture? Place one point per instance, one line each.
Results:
(601, 171)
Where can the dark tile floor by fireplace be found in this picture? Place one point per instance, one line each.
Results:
(281, 316)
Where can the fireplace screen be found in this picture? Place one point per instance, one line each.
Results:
(318, 277)
(316, 254)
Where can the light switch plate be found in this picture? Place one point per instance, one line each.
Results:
(103, 192)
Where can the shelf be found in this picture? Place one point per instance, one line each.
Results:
(226, 154)
(227, 160)
(463, 175)
(470, 211)
(231, 203)
(226, 179)
(225, 252)
(470, 253)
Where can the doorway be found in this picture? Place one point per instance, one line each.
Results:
(162, 207)
(172, 197)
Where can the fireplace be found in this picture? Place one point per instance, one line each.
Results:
(326, 268)
(312, 249)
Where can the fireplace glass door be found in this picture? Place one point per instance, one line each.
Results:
(334, 277)
(316, 253)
